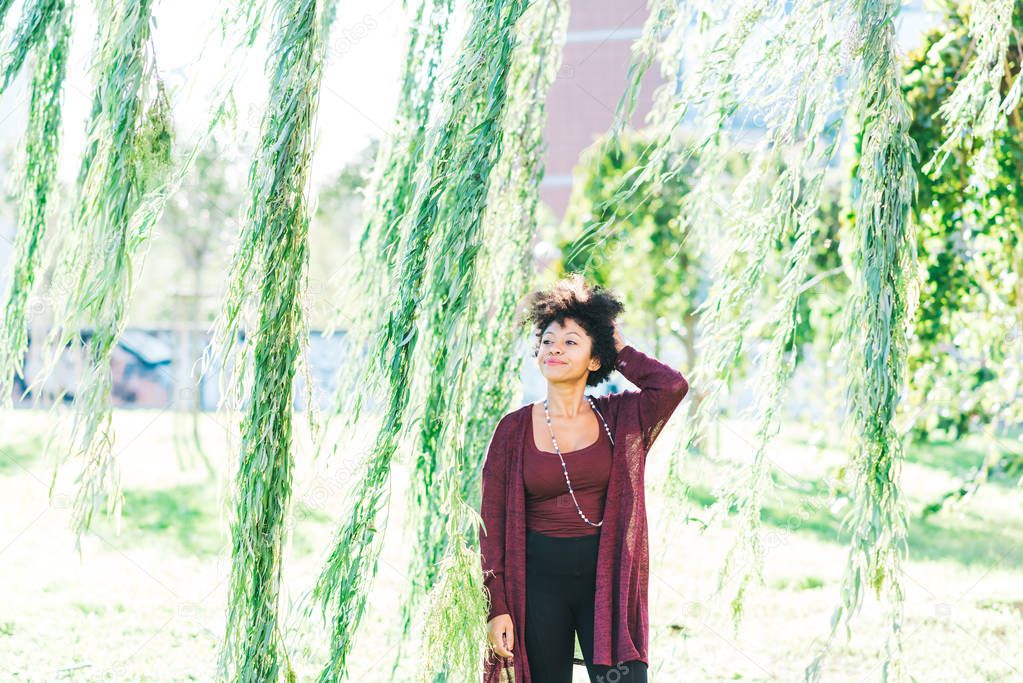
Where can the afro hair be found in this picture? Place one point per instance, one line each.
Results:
(593, 308)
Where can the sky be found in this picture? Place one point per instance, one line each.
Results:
(360, 82)
(358, 97)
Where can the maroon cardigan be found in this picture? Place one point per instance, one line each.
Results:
(621, 627)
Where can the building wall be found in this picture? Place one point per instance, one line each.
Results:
(591, 80)
(583, 97)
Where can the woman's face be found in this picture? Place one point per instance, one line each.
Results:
(564, 352)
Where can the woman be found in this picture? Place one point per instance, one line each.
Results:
(564, 543)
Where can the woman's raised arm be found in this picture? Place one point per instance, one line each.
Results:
(661, 389)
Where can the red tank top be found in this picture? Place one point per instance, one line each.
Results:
(549, 507)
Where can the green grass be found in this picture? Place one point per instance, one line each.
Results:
(148, 605)
(964, 538)
(182, 518)
(958, 458)
(19, 455)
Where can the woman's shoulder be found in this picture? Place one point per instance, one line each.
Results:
(608, 401)
(522, 409)
(517, 414)
(513, 417)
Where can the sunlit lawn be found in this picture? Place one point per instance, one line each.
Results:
(147, 604)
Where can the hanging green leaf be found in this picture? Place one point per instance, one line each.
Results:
(97, 272)
(272, 259)
(448, 206)
(37, 17)
(877, 330)
(42, 148)
(450, 445)
(977, 105)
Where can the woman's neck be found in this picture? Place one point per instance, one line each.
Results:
(567, 402)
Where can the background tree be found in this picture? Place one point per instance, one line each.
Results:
(647, 257)
(967, 342)
(194, 240)
(334, 237)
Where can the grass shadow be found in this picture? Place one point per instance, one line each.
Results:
(184, 515)
(16, 457)
(808, 511)
(957, 458)
(187, 517)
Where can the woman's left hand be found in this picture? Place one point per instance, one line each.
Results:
(619, 341)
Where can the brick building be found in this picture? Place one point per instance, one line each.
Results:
(583, 97)
(591, 80)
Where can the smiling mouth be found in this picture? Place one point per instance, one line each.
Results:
(555, 362)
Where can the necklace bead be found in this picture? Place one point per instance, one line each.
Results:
(564, 467)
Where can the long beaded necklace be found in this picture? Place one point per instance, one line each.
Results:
(564, 468)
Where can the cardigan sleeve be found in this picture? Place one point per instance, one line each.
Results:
(492, 512)
(661, 389)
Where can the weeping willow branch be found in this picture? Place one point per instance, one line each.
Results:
(393, 177)
(976, 106)
(239, 313)
(42, 147)
(448, 205)
(710, 93)
(510, 224)
(455, 623)
(800, 107)
(37, 17)
(127, 154)
(724, 29)
(249, 14)
(780, 196)
(877, 331)
(661, 16)
(793, 86)
(124, 180)
(390, 196)
(447, 460)
(455, 628)
(273, 254)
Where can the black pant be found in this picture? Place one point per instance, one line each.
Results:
(561, 580)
